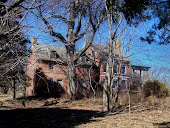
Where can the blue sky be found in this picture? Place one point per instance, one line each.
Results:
(141, 53)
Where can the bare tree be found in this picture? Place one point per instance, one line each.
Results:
(79, 18)
(115, 17)
(12, 43)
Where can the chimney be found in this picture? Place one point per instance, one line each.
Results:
(118, 45)
(34, 40)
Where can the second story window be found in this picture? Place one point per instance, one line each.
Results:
(51, 66)
(123, 69)
(88, 69)
(115, 68)
(104, 66)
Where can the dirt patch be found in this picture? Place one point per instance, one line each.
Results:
(85, 113)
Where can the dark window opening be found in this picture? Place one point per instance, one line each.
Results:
(123, 69)
(88, 69)
(87, 84)
(80, 84)
(104, 66)
(115, 83)
(51, 66)
(115, 68)
(59, 85)
(50, 82)
(53, 55)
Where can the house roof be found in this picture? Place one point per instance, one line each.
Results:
(140, 66)
(102, 51)
(42, 52)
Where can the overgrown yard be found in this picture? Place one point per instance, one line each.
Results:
(55, 113)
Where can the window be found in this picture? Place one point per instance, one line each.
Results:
(117, 56)
(123, 69)
(87, 84)
(115, 68)
(88, 69)
(123, 84)
(80, 84)
(104, 66)
(51, 66)
(59, 85)
(53, 55)
(115, 83)
(50, 82)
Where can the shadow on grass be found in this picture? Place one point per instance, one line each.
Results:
(46, 118)
(162, 125)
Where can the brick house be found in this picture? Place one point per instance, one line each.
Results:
(121, 67)
(48, 72)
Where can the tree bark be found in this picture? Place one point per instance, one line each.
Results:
(71, 88)
(107, 88)
(13, 88)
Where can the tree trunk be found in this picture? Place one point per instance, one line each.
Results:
(107, 88)
(71, 88)
(13, 88)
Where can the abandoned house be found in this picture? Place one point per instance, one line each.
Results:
(48, 72)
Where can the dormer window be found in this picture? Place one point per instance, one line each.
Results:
(51, 66)
(83, 59)
(53, 55)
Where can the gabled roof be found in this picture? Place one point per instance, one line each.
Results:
(102, 51)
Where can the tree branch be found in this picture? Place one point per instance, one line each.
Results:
(58, 35)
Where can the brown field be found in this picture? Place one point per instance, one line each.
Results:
(62, 113)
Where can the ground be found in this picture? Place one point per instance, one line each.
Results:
(85, 113)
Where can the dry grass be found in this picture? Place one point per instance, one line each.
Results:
(145, 113)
